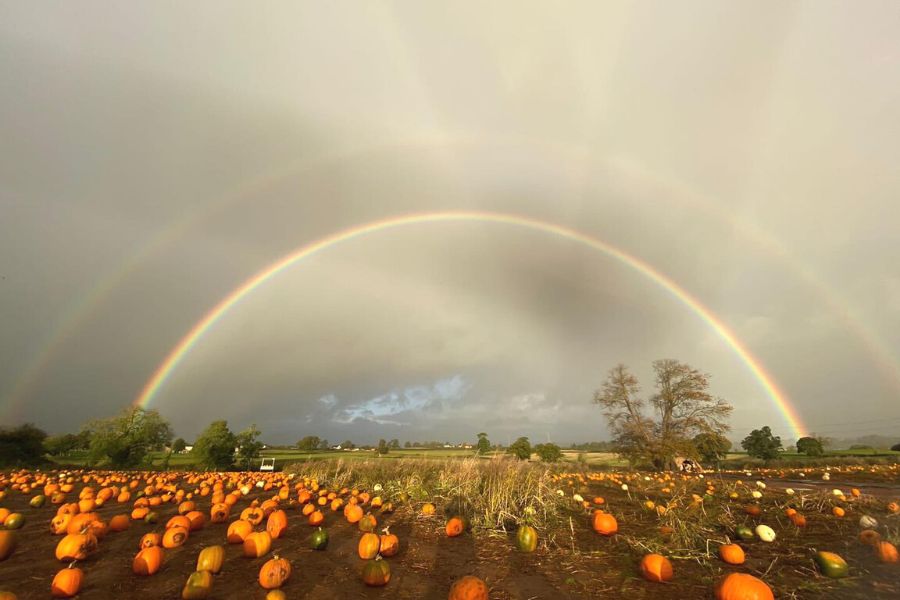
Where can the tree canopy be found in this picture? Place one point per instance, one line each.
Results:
(248, 446)
(548, 452)
(762, 444)
(215, 446)
(483, 446)
(309, 443)
(712, 447)
(521, 448)
(127, 439)
(810, 446)
(681, 408)
(22, 445)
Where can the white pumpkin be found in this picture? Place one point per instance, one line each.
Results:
(867, 522)
(765, 533)
(789, 491)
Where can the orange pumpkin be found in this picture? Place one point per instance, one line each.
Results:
(277, 523)
(67, 582)
(368, 547)
(604, 523)
(469, 588)
(886, 552)
(197, 520)
(75, 546)
(151, 539)
(455, 527)
(656, 567)
(838, 511)
(316, 518)
(869, 537)
(252, 515)
(148, 561)
(740, 586)
(179, 521)
(219, 512)
(732, 554)
(238, 531)
(257, 544)
(353, 513)
(893, 507)
(798, 520)
(274, 573)
(174, 536)
(389, 544)
(428, 508)
(8, 541)
(119, 523)
(59, 525)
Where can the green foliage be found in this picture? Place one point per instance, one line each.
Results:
(712, 447)
(407, 444)
(762, 444)
(810, 446)
(548, 452)
(323, 444)
(22, 445)
(63, 445)
(125, 440)
(394, 444)
(483, 446)
(521, 448)
(214, 447)
(348, 444)
(309, 443)
(179, 445)
(248, 446)
(382, 447)
(896, 447)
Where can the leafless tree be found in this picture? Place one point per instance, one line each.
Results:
(681, 408)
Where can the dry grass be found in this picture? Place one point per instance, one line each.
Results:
(495, 494)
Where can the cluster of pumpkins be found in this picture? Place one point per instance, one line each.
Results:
(82, 529)
(734, 586)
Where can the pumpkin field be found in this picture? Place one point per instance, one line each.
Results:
(463, 529)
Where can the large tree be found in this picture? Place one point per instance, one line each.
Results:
(810, 446)
(521, 448)
(548, 452)
(22, 445)
(712, 447)
(127, 439)
(762, 444)
(681, 408)
(310, 442)
(248, 446)
(484, 444)
(215, 446)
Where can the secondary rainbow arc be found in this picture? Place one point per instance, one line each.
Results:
(193, 336)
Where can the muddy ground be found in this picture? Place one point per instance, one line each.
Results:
(577, 563)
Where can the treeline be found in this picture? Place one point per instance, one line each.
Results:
(127, 441)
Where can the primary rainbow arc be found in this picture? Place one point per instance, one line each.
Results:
(177, 354)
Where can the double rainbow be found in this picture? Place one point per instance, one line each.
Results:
(184, 346)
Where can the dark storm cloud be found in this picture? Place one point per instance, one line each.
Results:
(748, 152)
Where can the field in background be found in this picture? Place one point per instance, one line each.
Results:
(602, 460)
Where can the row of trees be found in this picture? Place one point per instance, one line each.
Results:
(127, 441)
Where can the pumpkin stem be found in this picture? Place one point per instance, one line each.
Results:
(72, 564)
(386, 530)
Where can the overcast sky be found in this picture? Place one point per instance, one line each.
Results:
(154, 156)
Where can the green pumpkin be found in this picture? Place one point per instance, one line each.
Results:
(832, 565)
(38, 501)
(151, 517)
(526, 538)
(14, 521)
(376, 573)
(744, 532)
(198, 585)
(319, 539)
